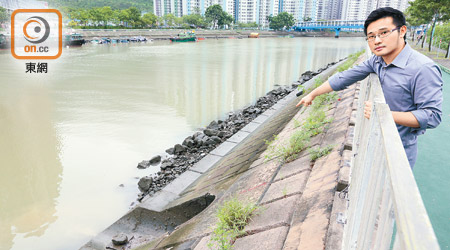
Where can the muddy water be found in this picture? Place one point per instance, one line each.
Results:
(70, 139)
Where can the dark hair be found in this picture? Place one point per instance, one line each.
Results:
(397, 16)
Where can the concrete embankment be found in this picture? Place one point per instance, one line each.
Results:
(300, 200)
(163, 34)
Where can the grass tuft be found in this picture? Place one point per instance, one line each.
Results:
(233, 216)
(317, 153)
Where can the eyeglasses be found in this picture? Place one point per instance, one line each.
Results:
(382, 34)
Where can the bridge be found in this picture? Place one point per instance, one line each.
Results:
(335, 25)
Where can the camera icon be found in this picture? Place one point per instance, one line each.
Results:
(36, 34)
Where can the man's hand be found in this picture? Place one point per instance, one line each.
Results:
(306, 101)
(322, 89)
(367, 109)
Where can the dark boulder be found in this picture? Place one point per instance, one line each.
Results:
(143, 164)
(145, 183)
(179, 149)
(210, 132)
(216, 139)
(120, 239)
(155, 160)
(170, 151)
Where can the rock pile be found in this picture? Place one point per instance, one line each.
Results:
(181, 157)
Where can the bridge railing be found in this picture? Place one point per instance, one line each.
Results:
(332, 23)
(382, 188)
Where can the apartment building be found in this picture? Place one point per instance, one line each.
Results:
(247, 11)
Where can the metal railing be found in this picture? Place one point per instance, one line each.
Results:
(382, 189)
(331, 23)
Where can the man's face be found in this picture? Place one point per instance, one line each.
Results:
(390, 45)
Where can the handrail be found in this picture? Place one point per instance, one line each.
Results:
(382, 188)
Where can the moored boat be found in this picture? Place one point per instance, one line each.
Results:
(253, 35)
(184, 37)
(5, 41)
(74, 39)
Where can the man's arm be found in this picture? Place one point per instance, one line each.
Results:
(427, 95)
(427, 92)
(322, 89)
(340, 81)
(405, 119)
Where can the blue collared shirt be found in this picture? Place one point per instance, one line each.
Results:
(411, 83)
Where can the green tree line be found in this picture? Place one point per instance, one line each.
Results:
(107, 17)
(144, 5)
(4, 16)
(430, 13)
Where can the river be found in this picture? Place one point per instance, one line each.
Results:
(70, 140)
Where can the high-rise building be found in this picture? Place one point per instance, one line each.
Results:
(267, 8)
(247, 11)
(360, 9)
(12, 5)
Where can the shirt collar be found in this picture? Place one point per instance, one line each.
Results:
(401, 59)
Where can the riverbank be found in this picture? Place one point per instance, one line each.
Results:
(164, 34)
(238, 169)
(185, 155)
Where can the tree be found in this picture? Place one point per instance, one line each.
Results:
(134, 15)
(107, 14)
(282, 20)
(213, 14)
(413, 22)
(194, 19)
(96, 15)
(169, 19)
(149, 19)
(430, 11)
(225, 19)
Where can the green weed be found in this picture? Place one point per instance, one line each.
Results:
(233, 216)
(317, 153)
(350, 61)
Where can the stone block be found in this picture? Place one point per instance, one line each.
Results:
(269, 112)
(261, 119)
(252, 126)
(353, 118)
(349, 138)
(206, 163)
(182, 182)
(238, 137)
(273, 214)
(316, 140)
(311, 219)
(335, 232)
(271, 239)
(159, 201)
(355, 104)
(348, 94)
(344, 172)
(224, 148)
(286, 187)
(203, 244)
(294, 167)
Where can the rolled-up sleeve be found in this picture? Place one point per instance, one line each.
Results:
(427, 90)
(346, 78)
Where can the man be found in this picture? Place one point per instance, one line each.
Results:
(411, 82)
